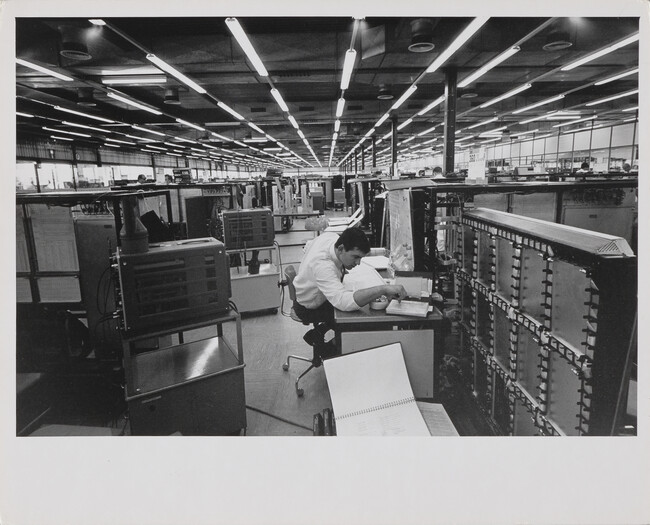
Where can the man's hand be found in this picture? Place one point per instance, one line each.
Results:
(395, 291)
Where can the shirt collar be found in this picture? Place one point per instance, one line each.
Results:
(332, 254)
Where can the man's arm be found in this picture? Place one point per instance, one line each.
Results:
(391, 291)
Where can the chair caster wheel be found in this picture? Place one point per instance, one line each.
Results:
(300, 392)
(285, 367)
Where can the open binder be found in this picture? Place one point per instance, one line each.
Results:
(371, 394)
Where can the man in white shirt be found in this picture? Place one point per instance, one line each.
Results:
(319, 283)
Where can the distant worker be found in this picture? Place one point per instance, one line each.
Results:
(319, 283)
(584, 168)
(437, 173)
(627, 167)
(142, 179)
(169, 179)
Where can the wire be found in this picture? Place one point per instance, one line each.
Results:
(278, 418)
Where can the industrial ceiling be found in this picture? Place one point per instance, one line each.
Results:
(216, 103)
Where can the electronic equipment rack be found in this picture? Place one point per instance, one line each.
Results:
(546, 323)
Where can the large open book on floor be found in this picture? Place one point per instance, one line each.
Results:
(371, 394)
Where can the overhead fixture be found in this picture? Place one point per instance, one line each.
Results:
(404, 124)
(73, 45)
(616, 77)
(538, 104)
(111, 145)
(241, 37)
(385, 92)
(593, 56)
(492, 131)
(404, 97)
(490, 140)
(369, 133)
(464, 36)
(67, 132)
(121, 141)
(633, 108)
(171, 96)
(42, 69)
(348, 66)
(421, 36)
(133, 103)
(147, 130)
(387, 135)
(433, 104)
(60, 138)
(256, 128)
(278, 98)
(509, 94)
(487, 67)
(428, 141)
(87, 115)
(337, 125)
(24, 114)
(382, 119)
(186, 123)
(85, 97)
(426, 131)
(339, 107)
(557, 40)
(227, 108)
(465, 138)
(85, 127)
(301, 134)
(468, 94)
(175, 73)
(608, 99)
(408, 139)
(293, 121)
(525, 133)
(221, 137)
(97, 21)
(155, 147)
(575, 121)
(494, 119)
(141, 139)
(142, 80)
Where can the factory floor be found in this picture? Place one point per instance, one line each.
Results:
(85, 401)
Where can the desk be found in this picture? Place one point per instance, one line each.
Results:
(421, 340)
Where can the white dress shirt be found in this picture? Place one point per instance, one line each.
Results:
(320, 274)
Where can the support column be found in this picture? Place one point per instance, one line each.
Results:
(374, 152)
(450, 120)
(363, 158)
(393, 144)
(355, 162)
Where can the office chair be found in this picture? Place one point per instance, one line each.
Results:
(316, 360)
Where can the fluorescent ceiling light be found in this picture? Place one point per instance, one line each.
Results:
(382, 120)
(134, 80)
(86, 127)
(293, 122)
(221, 137)
(634, 108)
(387, 135)
(602, 52)
(506, 95)
(408, 139)
(241, 37)
(348, 66)
(525, 133)
(370, 132)
(42, 69)
(112, 145)
(616, 77)
(185, 140)
(630, 119)
(175, 73)
(170, 144)
(97, 21)
(273, 149)
(481, 123)
(487, 67)
(465, 35)
(335, 136)
(60, 138)
(67, 132)
(433, 104)
(121, 141)
(405, 96)
(24, 114)
(186, 123)
(101, 119)
(148, 130)
(256, 128)
(575, 121)
(429, 141)
(490, 140)
(301, 134)
(427, 131)
(465, 138)
(404, 124)
(155, 147)
(620, 95)
(174, 154)
(227, 108)
(538, 104)
(133, 103)
(194, 149)
(139, 138)
(337, 125)
(278, 98)
(465, 145)
(339, 107)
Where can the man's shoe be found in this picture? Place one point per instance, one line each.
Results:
(313, 337)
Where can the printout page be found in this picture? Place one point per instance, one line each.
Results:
(437, 419)
(362, 276)
(378, 262)
(371, 379)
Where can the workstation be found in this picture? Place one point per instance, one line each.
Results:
(167, 307)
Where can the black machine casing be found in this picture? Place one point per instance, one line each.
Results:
(173, 284)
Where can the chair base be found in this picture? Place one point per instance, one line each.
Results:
(315, 363)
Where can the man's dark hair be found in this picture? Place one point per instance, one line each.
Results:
(353, 238)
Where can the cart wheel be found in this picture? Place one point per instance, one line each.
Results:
(285, 366)
(300, 392)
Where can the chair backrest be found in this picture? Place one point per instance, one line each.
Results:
(290, 275)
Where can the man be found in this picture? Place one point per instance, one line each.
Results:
(319, 283)
(437, 173)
